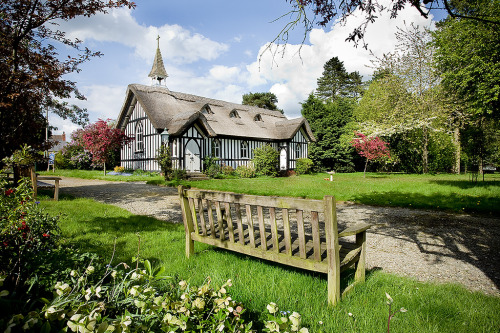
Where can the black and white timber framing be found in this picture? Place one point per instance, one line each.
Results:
(195, 127)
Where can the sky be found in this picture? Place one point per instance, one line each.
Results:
(216, 49)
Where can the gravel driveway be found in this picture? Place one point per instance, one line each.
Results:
(426, 245)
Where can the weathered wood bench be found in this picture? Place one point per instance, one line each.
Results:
(291, 231)
(39, 182)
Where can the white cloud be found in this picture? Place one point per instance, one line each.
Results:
(293, 77)
(180, 45)
(224, 73)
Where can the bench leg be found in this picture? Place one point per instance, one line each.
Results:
(56, 191)
(334, 283)
(359, 276)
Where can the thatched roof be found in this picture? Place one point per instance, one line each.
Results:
(177, 111)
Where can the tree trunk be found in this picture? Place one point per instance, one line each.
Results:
(105, 168)
(458, 149)
(364, 172)
(425, 150)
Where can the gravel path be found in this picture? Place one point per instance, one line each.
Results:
(426, 245)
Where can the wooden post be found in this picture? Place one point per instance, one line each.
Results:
(56, 190)
(188, 221)
(332, 250)
(359, 276)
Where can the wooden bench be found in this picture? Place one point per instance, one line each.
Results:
(291, 231)
(39, 182)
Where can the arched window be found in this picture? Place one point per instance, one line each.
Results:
(298, 150)
(244, 149)
(139, 137)
(216, 148)
(258, 117)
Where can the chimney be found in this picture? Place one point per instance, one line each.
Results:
(63, 137)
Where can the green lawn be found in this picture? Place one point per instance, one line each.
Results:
(431, 308)
(443, 192)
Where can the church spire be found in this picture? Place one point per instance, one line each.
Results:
(158, 71)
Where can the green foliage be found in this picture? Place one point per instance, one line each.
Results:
(304, 166)
(283, 321)
(164, 159)
(244, 171)
(265, 100)
(227, 170)
(468, 58)
(211, 166)
(336, 82)
(25, 231)
(328, 123)
(179, 174)
(266, 160)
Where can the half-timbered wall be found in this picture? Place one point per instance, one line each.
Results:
(141, 153)
(230, 150)
(297, 148)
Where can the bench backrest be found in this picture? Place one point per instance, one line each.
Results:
(232, 218)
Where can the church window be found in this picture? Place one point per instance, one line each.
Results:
(216, 148)
(139, 137)
(244, 149)
(298, 150)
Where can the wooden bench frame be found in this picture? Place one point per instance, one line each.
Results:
(234, 216)
(37, 183)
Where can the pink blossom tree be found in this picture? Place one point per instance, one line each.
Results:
(101, 140)
(371, 148)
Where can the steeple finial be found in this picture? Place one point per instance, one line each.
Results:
(158, 71)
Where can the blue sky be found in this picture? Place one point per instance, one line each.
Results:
(212, 49)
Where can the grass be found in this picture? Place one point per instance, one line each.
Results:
(431, 308)
(99, 174)
(441, 192)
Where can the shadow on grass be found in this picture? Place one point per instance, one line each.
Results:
(465, 185)
(438, 235)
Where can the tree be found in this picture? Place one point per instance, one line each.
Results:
(467, 54)
(102, 140)
(31, 69)
(326, 11)
(328, 122)
(336, 82)
(371, 148)
(408, 98)
(265, 100)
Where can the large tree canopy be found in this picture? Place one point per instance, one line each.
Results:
(265, 100)
(336, 82)
(468, 55)
(31, 70)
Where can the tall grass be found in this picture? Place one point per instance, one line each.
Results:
(431, 308)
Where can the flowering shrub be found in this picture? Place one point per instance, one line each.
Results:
(244, 171)
(283, 321)
(25, 230)
(227, 170)
(119, 169)
(371, 148)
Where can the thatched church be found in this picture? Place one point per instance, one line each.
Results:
(195, 127)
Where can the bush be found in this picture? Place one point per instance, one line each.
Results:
(26, 231)
(304, 166)
(164, 160)
(210, 166)
(119, 169)
(178, 174)
(227, 170)
(266, 160)
(244, 171)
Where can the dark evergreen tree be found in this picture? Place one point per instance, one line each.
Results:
(336, 82)
(328, 122)
(265, 100)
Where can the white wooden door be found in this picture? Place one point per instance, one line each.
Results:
(283, 165)
(192, 158)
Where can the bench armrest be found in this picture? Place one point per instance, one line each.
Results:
(48, 178)
(355, 229)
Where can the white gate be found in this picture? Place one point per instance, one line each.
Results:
(192, 159)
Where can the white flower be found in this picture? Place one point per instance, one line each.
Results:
(73, 273)
(304, 330)
(113, 274)
(183, 285)
(272, 308)
(90, 270)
